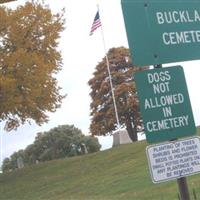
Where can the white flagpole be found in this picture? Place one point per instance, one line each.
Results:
(109, 74)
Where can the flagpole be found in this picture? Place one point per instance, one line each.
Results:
(109, 74)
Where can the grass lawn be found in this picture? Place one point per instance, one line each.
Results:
(120, 173)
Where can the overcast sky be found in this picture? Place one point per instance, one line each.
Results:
(81, 53)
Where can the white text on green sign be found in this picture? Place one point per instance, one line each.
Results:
(168, 31)
(164, 104)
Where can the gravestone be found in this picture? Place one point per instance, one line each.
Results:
(84, 148)
(20, 163)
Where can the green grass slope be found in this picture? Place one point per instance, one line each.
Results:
(120, 173)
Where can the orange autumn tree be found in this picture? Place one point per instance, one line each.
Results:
(29, 59)
(103, 119)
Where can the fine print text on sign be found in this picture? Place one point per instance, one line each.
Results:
(164, 104)
(168, 31)
(173, 160)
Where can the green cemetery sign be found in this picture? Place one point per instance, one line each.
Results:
(164, 104)
(162, 31)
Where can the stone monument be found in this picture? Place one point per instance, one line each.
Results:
(121, 137)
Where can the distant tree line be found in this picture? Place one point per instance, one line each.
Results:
(60, 142)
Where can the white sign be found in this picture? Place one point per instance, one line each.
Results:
(172, 160)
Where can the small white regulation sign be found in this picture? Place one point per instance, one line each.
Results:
(172, 160)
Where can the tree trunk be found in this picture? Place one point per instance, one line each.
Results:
(132, 131)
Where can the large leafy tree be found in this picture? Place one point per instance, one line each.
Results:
(62, 141)
(103, 120)
(28, 61)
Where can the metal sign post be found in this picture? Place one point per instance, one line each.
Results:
(168, 31)
(181, 182)
(183, 188)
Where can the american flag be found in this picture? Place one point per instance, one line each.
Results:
(96, 23)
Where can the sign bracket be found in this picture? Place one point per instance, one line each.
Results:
(158, 66)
